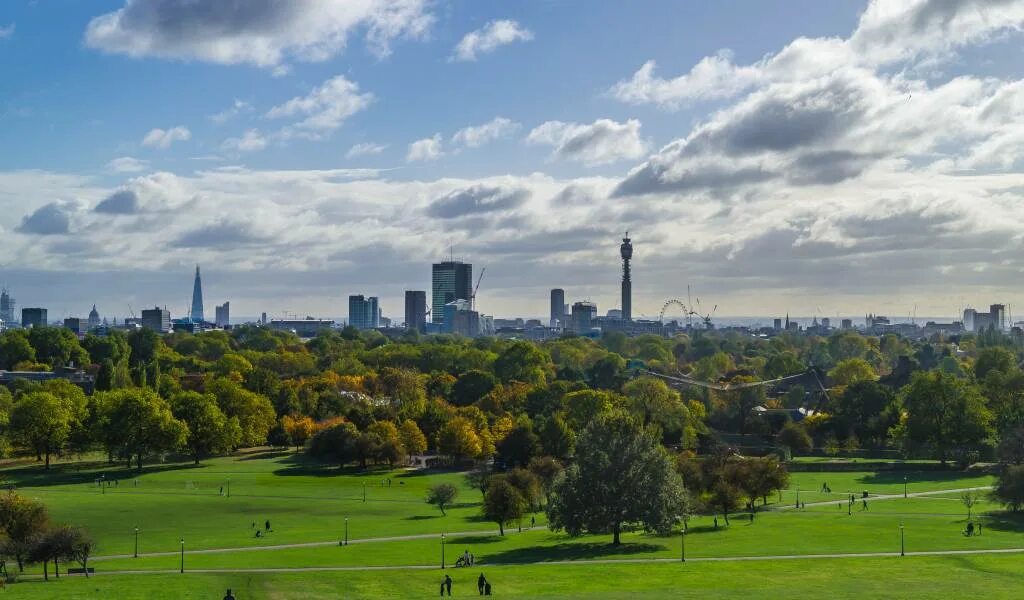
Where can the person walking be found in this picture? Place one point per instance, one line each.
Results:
(533, 521)
(266, 526)
(481, 581)
(229, 595)
(448, 584)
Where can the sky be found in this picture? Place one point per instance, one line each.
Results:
(829, 158)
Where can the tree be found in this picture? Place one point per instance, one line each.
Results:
(144, 344)
(725, 496)
(794, 437)
(254, 412)
(652, 401)
(57, 347)
(458, 438)
(299, 429)
(547, 470)
(389, 442)
(969, 499)
(80, 548)
(607, 372)
(442, 495)
(503, 503)
(520, 445)
(621, 474)
(763, 476)
(867, 410)
(15, 348)
(528, 485)
(1009, 489)
(471, 386)
(522, 361)
(945, 413)
(557, 438)
(1011, 448)
(21, 520)
(407, 390)
(336, 444)
(994, 359)
(209, 431)
(412, 438)
(139, 423)
(45, 421)
(852, 370)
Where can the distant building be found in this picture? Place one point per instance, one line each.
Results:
(363, 313)
(156, 318)
(460, 319)
(451, 280)
(626, 251)
(74, 375)
(583, 315)
(826, 323)
(223, 315)
(416, 310)
(557, 308)
(197, 299)
(517, 323)
(970, 316)
(777, 324)
(7, 308)
(77, 326)
(304, 328)
(263, 318)
(94, 319)
(846, 324)
(997, 314)
(614, 313)
(33, 317)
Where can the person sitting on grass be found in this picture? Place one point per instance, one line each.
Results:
(970, 530)
(229, 595)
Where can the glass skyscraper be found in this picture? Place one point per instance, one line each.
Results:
(452, 280)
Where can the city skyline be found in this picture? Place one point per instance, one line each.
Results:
(776, 158)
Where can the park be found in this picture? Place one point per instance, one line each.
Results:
(355, 465)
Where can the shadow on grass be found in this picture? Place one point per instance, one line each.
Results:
(267, 455)
(421, 517)
(572, 551)
(896, 477)
(1005, 521)
(475, 539)
(85, 472)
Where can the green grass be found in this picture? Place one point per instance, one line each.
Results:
(306, 503)
(990, 577)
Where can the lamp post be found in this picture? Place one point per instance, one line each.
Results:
(346, 531)
(442, 551)
(682, 539)
(136, 542)
(902, 545)
(364, 491)
(182, 555)
(229, 487)
(904, 486)
(798, 496)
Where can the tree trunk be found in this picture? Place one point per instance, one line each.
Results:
(46, 573)
(138, 461)
(56, 568)
(47, 460)
(501, 528)
(726, 513)
(21, 563)
(615, 534)
(85, 567)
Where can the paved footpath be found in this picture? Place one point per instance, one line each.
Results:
(608, 561)
(843, 497)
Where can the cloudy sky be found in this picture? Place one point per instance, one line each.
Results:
(801, 156)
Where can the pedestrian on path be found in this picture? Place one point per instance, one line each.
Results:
(480, 583)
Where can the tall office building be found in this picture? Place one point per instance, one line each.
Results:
(7, 303)
(451, 280)
(997, 314)
(156, 318)
(557, 308)
(33, 317)
(583, 314)
(626, 250)
(363, 313)
(94, 319)
(223, 315)
(416, 310)
(197, 298)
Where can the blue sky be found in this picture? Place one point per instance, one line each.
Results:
(839, 157)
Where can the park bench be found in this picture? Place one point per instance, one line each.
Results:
(80, 571)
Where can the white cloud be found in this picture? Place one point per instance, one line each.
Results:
(250, 141)
(489, 37)
(263, 33)
(237, 108)
(425, 149)
(365, 149)
(127, 164)
(324, 109)
(6, 31)
(475, 136)
(601, 142)
(163, 138)
(712, 78)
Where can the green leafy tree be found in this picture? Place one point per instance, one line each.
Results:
(21, 520)
(529, 486)
(442, 495)
(557, 438)
(471, 386)
(994, 359)
(139, 423)
(867, 410)
(522, 361)
(15, 348)
(45, 421)
(608, 373)
(254, 412)
(336, 444)
(946, 414)
(852, 370)
(57, 346)
(621, 475)
(209, 431)
(458, 438)
(412, 437)
(520, 445)
(1009, 488)
(547, 470)
(503, 503)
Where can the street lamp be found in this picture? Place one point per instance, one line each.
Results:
(136, 542)
(229, 487)
(364, 491)
(442, 551)
(682, 539)
(346, 531)
(798, 496)
(904, 486)
(902, 546)
(182, 555)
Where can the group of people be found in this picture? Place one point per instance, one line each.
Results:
(261, 532)
(482, 585)
(972, 530)
(466, 560)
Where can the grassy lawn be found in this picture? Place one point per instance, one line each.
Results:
(991, 577)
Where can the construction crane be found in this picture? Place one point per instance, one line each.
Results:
(472, 299)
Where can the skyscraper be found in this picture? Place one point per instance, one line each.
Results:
(223, 313)
(626, 250)
(416, 310)
(7, 308)
(158, 319)
(33, 317)
(197, 298)
(451, 280)
(363, 313)
(557, 308)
